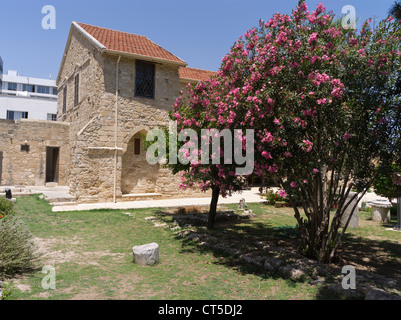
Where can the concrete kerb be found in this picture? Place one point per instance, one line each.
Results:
(250, 196)
(62, 192)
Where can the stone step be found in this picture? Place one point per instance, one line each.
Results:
(141, 196)
(67, 203)
(62, 198)
(51, 184)
(89, 199)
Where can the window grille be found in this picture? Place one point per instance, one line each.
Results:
(145, 80)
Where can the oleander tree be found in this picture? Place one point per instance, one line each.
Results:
(213, 153)
(322, 101)
(395, 10)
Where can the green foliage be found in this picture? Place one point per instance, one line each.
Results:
(395, 10)
(286, 231)
(393, 210)
(5, 291)
(273, 197)
(6, 207)
(384, 183)
(17, 250)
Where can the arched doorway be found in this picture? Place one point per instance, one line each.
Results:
(137, 175)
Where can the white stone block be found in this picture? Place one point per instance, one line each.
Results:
(381, 210)
(146, 255)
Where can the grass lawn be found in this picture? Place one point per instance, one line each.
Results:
(92, 255)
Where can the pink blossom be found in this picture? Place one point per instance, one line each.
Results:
(273, 169)
(308, 146)
(353, 42)
(315, 171)
(313, 38)
(282, 193)
(267, 155)
(183, 186)
(346, 136)
(293, 184)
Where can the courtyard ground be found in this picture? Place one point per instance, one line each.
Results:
(91, 252)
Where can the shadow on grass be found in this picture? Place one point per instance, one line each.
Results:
(379, 256)
(253, 237)
(229, 241)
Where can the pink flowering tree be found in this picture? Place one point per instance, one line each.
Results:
(323, 101)
(210, 147)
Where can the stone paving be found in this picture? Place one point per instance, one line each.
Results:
(62, 201)
(250, 196)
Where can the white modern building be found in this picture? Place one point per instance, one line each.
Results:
(26, 97)
(1, 74)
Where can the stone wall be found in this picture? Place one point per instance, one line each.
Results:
(21, 167)
(92, 125)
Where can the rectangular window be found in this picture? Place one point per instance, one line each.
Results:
(43, 89)
(52, 117)
(65, 99)
(16, 115)
(145, 79)
(76, 90)
(28, 87)
(25, 147)
(12, 86)
(54, 91)
(137, 146)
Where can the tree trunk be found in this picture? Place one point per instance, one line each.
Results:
(213, 207)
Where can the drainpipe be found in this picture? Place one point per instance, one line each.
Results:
(115, 134)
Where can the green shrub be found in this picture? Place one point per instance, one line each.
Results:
(393, 210)
(5, 291)
(273, 197)
(6, 207)
(384, 184)
(17, 249)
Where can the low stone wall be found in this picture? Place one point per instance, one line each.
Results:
(23, 146)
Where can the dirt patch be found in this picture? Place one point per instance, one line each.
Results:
(51, 256)
(18, 284)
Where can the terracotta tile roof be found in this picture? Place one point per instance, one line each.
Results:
(128, 43)
(195, 74)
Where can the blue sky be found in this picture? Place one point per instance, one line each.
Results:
(199, 32)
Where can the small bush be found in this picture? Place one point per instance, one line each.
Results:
(17, 250)
(5, 291)
(273, 197)
(6, 207)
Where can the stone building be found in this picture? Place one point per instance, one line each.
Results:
(33, 152)
(113, 87)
